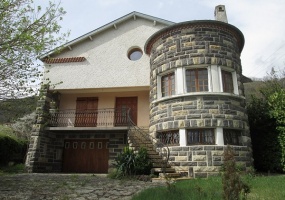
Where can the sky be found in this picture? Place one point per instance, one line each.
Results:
(261, 21)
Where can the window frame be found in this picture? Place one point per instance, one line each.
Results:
(169, 138)
(202, 137)
(196, 69)
(171, 84)
(235, 140)
(233, 77)
(227, 81)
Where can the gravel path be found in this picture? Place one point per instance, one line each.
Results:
(68, 186)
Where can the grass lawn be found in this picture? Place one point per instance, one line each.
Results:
(262, 187)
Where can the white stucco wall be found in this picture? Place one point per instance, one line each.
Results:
(107, 64)
(108, 100)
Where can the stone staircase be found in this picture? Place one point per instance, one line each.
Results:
(157, 151)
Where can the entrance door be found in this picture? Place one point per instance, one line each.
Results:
(86, 112)
(85, 156)
(123, 104)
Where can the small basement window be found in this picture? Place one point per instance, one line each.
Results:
(135, 54)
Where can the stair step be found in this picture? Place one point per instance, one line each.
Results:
(160, 170)
(169, 175)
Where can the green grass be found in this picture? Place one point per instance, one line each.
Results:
(18, 168)
(262, 187)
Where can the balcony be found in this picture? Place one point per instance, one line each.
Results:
(89, 119)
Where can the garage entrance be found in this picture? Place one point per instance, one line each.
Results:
(85, 156)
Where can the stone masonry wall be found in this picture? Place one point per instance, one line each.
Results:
(199, 111)
(204, 161)
(206, 44)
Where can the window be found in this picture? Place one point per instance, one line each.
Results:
(168, 85)
(197, 80)
(135, 54)
(232, 137)
(200, 136)
(169, 137)
(227, 79)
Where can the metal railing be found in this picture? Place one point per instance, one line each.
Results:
(109, 117)
(142, 138)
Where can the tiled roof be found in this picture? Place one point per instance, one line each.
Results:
(64, 60)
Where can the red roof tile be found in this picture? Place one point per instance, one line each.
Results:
(64, 60)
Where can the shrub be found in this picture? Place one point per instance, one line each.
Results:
(233, 187)
(11, 149)
(130, 163)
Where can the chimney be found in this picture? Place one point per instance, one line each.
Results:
(220, 13)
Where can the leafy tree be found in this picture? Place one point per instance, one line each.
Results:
(26, 31)
(277, 110)
(265, 119)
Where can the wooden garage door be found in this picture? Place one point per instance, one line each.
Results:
(85, 156)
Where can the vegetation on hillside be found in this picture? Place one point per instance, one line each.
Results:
(13, 109)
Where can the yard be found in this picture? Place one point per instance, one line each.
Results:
(261, 187)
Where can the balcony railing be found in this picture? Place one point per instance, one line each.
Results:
(89, 118)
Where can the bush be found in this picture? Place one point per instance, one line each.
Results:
(11, 150)
(233, 186)
(130, 163)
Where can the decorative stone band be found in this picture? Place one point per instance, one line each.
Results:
(64, 60)
(176, 28)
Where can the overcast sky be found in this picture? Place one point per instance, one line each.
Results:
(261, 21)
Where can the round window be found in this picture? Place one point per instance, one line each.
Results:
(135, 54)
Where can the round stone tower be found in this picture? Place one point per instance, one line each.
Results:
(197, 103)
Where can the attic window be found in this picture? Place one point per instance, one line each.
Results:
(135, 54)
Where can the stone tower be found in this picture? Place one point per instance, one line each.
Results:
(197, 103)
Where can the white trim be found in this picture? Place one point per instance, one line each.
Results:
(179, 88)
(234, 74)
(219, 136)
(199, 94)
(220, 78)
(182, 137)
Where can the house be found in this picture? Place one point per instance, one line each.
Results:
(173, 87)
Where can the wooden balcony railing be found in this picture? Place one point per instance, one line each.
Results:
(89, 118)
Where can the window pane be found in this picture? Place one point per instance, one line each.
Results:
(200, 136)
(197, 80)
(227, 79)
(168, 85)
(169, 137)
(232, 137)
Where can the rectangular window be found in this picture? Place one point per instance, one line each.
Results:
(232, 137)
(227, 79)
(197, 80)
(168, 85)
(200, 136)
(169, 137)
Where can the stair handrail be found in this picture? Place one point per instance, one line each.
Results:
(164, 151)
